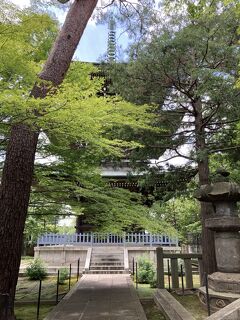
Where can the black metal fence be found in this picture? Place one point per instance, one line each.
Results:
(58, 295)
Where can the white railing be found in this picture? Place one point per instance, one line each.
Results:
(51, 239)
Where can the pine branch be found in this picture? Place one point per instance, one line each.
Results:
(224, 149)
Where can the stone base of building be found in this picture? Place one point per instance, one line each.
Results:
(218, 300)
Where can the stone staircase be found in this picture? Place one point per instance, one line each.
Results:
(107, 260)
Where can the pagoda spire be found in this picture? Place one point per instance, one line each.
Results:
(111, 40)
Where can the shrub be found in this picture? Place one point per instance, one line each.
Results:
(63, 275)
(153, 281)
(36, 270)
(145, 270)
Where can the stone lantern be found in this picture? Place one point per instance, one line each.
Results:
(224, 285)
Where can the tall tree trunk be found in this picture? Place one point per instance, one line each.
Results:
(19, 163)
(208, 248)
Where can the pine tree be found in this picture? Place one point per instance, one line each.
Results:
(19, 163)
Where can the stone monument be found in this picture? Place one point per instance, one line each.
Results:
(224, 285)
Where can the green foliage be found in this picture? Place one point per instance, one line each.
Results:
(25, 39)
(114, 210)
(182, 213)
(229, 161)
(153, 281)
(63, 275)
(146, 270)
(78, 130)
(185, 62)
(36, 270)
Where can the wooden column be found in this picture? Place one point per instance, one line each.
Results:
(174, 271)
(188, 273)
(160, 268)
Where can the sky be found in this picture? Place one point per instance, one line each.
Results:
(93, 44)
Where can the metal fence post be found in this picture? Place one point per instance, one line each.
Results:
(70, 274)
(78, 267)
(183, 292)
(169, 282)
(207, 294)
(39, 299)
(136, 275)
(133, 266)
(57, 287)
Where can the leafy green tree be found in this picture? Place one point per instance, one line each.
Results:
(189, 71)
(182, 213)
(23, 47)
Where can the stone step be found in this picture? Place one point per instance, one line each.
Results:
(107, 257)
(108, 249)
(98, 259)
(107, 263)
(103, 260)
(104, 267)
(106, 271)
(107, 254)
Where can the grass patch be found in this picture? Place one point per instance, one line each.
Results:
(29, 312)
(27, 290)
(190, 302)
(151, 310)
(193, 305)
(145, 291)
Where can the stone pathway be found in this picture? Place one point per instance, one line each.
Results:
(100, 297)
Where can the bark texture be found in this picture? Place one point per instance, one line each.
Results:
(208, 248)
(19, 163)
(15, 191)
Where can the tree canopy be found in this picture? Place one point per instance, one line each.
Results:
(78, 130)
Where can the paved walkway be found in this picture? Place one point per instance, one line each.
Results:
(100, 297)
